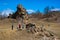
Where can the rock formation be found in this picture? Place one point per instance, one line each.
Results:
(21, 11)
(22, 15)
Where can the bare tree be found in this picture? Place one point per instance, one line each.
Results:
(0, 15)
(52, 7)
(46, 9)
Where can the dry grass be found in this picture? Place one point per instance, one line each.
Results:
(7, 34)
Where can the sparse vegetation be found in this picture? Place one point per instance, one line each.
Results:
(49, 31)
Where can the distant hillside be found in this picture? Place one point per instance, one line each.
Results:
(52, 16)
(36, 15)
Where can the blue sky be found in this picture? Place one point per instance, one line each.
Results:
(32, 5)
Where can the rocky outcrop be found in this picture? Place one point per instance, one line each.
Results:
(43, 34)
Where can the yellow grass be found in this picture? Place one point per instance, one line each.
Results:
(7, 34)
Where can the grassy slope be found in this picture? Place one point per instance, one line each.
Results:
(7, 34)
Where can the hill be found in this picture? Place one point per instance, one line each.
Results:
(7, 34)
(52, 16)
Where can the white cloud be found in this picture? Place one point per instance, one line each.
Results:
(7, 11)
(30, 10)
(56, 9)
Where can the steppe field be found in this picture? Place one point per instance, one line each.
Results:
(7, 34)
